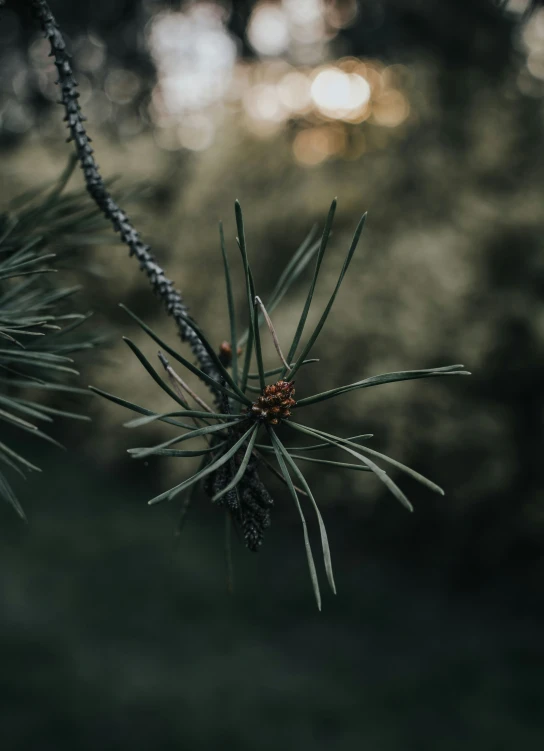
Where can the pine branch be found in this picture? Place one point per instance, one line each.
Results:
(38, 327)
(161, 285)
(250, 502)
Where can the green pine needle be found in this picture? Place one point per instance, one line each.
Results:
(325, 315)
(235, 393)
(294, 494)
(403, 375)
(324, 539)
(306, 309)
(142, 453)
(388, 482)
(209, 469)
(230, 305)
(242, 468)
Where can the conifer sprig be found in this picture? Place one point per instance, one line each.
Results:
(161, 285)
(232, 435)
(252, 494)
(39, 330)
(232, 453)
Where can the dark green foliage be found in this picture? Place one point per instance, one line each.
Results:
(251, 501)
(230, 457)
(231, 448)
(39, 329)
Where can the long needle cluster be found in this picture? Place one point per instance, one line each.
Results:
(232, 437)
(230, 429)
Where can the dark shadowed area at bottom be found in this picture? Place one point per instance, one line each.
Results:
(112, 639)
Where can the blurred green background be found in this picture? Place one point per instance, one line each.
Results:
(428, 115)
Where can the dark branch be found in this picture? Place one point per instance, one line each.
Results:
(161, 285)
(251, 505)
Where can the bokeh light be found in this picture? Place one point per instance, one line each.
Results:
(294, 83)
(336, 93)
(294, 91)
(194, 56)
(390, 109)
(268, 29)
(200, 73)
(533, 38)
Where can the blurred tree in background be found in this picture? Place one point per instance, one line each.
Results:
(430, 116)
